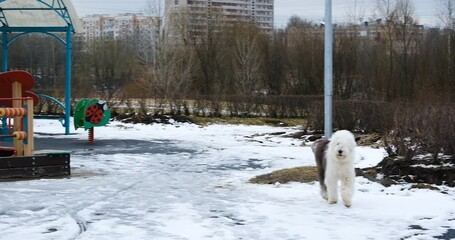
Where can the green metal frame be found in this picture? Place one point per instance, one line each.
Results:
(60, 8)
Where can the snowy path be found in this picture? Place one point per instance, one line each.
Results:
(193, 185)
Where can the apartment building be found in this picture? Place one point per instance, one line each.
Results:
(198, 14)
(139, 32)
(366, 31)
(119, 27)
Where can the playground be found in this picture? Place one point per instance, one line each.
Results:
(184, 181)
(61, 180)
(18, 156)
(19, 159)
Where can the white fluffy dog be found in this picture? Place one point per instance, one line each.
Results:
(335, 161)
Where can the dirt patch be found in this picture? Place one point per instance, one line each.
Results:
(373, 140)
(298, 174)
(424, 186)
(396, 170)
(387, 173)
(152, 118)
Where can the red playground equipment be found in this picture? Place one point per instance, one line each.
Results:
(13, 95)
(16, 112)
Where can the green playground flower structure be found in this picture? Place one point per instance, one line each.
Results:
(90, 113)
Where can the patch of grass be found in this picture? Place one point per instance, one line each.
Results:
(298, 174)
(250, 121)
(424, 186)
(372, 139)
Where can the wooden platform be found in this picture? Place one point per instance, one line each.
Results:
(36, 166)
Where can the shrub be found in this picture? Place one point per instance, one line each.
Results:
(357, 116)
(421, 129)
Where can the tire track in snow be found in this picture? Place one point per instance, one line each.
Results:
(83, 224)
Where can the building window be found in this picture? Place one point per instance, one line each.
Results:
(176, 2)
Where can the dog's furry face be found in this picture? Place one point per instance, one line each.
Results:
(342, 145)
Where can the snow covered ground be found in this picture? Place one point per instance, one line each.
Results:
(192, 184)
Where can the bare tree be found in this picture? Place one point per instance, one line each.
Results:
(447, 17)
(386, 15)
(42, 56)
(348, 48)
(402, 36)
(205, 38)
(275, 62)
(447, 13)
(155, 10)
(247, 61)
(356, 12)
(346, 61)
(145, 40)
(408, 35)
(110, 64)
(170, 80)
(305, 55)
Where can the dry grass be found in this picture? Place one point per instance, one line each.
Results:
(372, 139)
(298, 174)
(250, 121)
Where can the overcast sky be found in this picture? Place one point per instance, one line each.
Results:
(425, 10)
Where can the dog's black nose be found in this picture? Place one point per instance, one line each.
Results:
(340, 151)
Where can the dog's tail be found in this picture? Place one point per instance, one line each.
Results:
(319, 148)
(316, 143)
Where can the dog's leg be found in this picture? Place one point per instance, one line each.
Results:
(347, 188)
(323, 191)
(332, 188)
(321, 175)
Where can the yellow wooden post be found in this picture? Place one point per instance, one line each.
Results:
(29, 148)
(17, 93)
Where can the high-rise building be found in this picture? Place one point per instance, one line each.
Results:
(196, 15)
(139, 32)
(119, 27)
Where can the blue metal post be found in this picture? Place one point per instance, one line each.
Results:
(328, 69)
(4, 51)
(69, 47)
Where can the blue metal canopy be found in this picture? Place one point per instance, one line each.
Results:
(22, 17)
